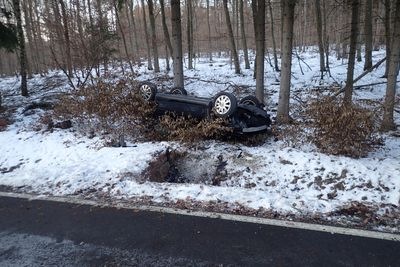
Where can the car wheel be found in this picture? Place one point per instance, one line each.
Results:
(178, 91)
(147, 91)
(224, 104)
(250, 100)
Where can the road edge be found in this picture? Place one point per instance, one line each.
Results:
(214, 215)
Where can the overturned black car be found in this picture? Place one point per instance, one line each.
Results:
(245, 116)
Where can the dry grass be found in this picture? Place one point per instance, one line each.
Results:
(187, 129)
(342, 130)
(117, 109)
(111, 107)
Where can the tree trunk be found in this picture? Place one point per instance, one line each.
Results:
(189, 32)
(153, 35)
(368, 34)
(135, 35)
(320, 40)
(21, 44)
(177, 42)
(387, 36)
(326, 38)
(284, 92)
(276, 66)
(209, 30)
(146, 34)
(66, 37)
(388, 120)
(347, 100)
(168, 68)
(243, 33)
(231, 38)
(32, 62)
(122, 36)
(258, 8)
(165, 28)
(80, 31)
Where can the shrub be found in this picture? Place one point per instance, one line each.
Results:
(187, 129)
(342, 130)
(117, 109)
(113, 107)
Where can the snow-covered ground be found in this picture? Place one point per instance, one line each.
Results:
(271, 177)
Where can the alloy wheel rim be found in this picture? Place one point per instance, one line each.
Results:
(222, 104)
(145, 92)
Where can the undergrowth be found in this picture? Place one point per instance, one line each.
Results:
(342, 130)
(116, 109)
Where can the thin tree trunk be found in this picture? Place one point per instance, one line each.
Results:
(320, 40)
(388, 118)
(123, 36)
(387, 36)
(284, 91)
(276, 65)
(348, 93)
(326, 38)
(167, 59)
(129, 31)
(90, 14)
(368, 34)
(189, 32)
(258, 8)
(80, 31)
(177, 42)
(209, 30)
(66, 37)
(32, 62)
(135, 35)
(21, 44)
(243, 33)
(231, 38)
(153, 35)
(146, 33)
(165, 28)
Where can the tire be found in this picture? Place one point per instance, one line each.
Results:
(178, 91)
(147, 91)
(224, 104)
(250, 100)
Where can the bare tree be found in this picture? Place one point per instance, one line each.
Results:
(146, 33)
(153, 35)
(21, 45)
(243, 33)
(177, 42)
(286, 67)
(276, 66)
(368, 34)
(320, 39)
(258, 8)
(189, 32)
(135, 35)
(165, 28)
(231, 38)
(348, 93)
(387, 36)
(209, 29)
(66, 38)
(388, 121)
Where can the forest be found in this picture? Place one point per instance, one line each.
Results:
(80, 36)
(326, 72)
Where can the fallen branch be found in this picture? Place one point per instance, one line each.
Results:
(369, 70)
(361, 76)
(370, 84)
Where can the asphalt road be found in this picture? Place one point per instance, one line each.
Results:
(46, 233)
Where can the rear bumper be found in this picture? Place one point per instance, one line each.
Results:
(254, 129)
